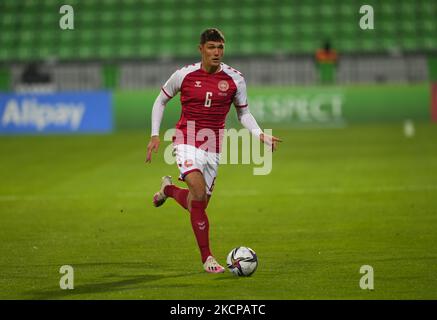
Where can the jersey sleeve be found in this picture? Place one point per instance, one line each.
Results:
(240, 99)
(173, 84)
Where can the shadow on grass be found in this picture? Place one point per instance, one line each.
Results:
(120, 283)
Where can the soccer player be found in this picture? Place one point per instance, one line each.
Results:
(207, 90)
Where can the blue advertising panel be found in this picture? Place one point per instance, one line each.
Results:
(67, 112)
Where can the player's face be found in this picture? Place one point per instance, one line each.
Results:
(212, 53)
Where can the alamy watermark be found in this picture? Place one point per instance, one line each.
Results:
(366, 281)
(67, 20)
(67, 280)
(225, 143)
(366, 21)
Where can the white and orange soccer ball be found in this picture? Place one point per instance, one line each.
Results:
(242, 261)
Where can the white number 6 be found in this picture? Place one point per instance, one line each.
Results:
(208, 99)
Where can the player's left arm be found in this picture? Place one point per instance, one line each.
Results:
(249, 122)
(247, 119)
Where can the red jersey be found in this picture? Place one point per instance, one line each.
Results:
(205, 99)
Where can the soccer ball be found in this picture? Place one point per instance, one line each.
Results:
(242, 261)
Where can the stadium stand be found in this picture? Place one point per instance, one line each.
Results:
(117, 43)
(109, 29)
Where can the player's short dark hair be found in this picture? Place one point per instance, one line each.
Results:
(211, 34)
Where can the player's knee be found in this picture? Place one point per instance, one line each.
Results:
(199, 195)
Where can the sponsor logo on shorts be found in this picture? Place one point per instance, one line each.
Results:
(188, 163)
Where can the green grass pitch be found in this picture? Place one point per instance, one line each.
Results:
(336, 199)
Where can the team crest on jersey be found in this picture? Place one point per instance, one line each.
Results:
(223, 85)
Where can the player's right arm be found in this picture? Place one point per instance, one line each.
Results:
(168, 91)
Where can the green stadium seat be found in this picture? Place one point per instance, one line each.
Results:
(48, 37)
(86, 38)
(347, 28)
(388, 43)
(8, 21)
(347, 9)
(327, 10)
(346, 45)
(24, 53)
(4, 55)
(26, 36)
(65, 52)
(10, 5)
(109, 3)
(86, 19)
(388, 27)
(248, 14)
(428, 26)
(67, 37)
(387, 9)
(287, 31)
(186, 15)
(287, 13)
(407, 28)
(105, 51)
(7, 39)
(407, 8)
(409, 44)
(328, 30)
(128, 35)
(109, 18)
(84, 52)
(145, 50)
(228, 14)
(127, 51)
(165, 49)
(28, 20)
(308, 30)
(429, 42)
(185, 49)
(246, 47)
(369, 45)
(265, 47)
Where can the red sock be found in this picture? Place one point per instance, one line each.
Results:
(200, 224)
(179, 194)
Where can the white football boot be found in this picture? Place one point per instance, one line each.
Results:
(211, 265)
(160, 197)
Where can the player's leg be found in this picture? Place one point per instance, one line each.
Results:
(197, 202)
(196, 206)
(186, 161)
(181, 195)
(160, 197)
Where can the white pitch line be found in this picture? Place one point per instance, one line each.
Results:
(232, 193)
(315, 191)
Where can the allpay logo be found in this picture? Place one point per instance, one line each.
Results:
(29, 112)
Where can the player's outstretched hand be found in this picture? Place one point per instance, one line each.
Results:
(271, 141)
(152, 146)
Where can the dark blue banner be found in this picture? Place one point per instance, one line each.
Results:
(67, 112)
